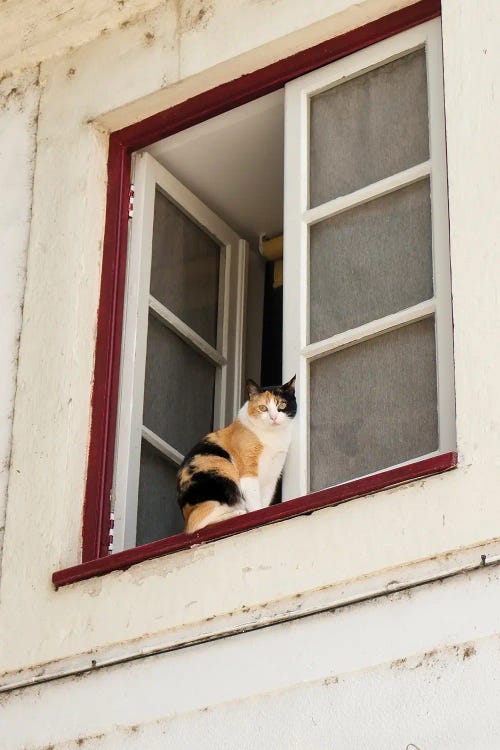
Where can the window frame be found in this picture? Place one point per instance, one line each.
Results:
(226, 355)
(299, 352)
(104, 404)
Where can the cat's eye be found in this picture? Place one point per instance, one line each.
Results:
(281, 405)
(262, 407)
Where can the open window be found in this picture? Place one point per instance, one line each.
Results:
(305, 231)
(193, 327)
(183, 347)
(367, 317)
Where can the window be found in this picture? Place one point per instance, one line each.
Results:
(367, 282)
(367, 315)
(183, 347)
(366, 308)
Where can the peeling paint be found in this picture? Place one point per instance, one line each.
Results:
(328, 681)
(20, 105)
(468, 652)
(50, 30)
(398, 663)
(194, 15)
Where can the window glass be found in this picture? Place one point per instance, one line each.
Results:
(370, 261)
(178, 389)
(368, 128)
(185, 269)
(158, 514)
(373, 405)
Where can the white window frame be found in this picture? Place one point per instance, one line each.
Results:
(298, 353)
(227, 356)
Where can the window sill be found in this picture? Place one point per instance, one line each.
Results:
(298, 507)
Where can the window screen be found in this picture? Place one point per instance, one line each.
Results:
(373, 405)
(178, 389)
(185, 269)
(157, 514)
(179, 383)
(371, 261)
(368, 128)
(372, 399)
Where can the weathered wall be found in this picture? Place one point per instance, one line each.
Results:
(418, 667)
(33, 31)
(19, 97)
(127, 73)
(472, 91)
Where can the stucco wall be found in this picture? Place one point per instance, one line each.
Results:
(418, 667)
(19, 97)
(126, 73)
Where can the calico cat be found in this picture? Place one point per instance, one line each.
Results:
(235, 470)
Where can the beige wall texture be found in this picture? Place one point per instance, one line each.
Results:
(64, 90)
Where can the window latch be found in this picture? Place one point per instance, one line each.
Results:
(131, 202)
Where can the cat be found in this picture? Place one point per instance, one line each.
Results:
(235, 470)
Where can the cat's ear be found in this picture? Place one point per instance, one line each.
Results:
(290, 386)
(252, 388)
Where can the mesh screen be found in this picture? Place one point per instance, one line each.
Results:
(371, 261)
(368, 128)
(158, 514)
(185, 269)
(373, 405)
(178, 389)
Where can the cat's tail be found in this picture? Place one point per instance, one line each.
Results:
(203, 514)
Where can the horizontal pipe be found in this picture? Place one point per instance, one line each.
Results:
(485, 561)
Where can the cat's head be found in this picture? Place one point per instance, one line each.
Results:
(273, 405)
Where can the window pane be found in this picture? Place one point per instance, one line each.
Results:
(368, 128)
(373, 405)
(371, 261)
(158, 514)
(178, 389)
(185, 269)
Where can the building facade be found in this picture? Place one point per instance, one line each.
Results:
(374, 623)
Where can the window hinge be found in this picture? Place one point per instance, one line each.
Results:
(131, 202)
(111, 532)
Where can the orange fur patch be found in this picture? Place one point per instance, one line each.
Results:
(243, 446)
(194, 515)
(184, 477)
(245, 449)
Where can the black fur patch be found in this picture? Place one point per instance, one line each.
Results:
(205, 448)
(209, 485)
(287, 395)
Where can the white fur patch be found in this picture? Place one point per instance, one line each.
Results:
(250, 488)
(221, 513)
(276, 440)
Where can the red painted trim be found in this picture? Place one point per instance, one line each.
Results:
(298, 507)
(107, 357)
(265, 80)
(122, 144)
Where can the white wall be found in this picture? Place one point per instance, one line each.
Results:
(417, 667)
(19, 97)
(123, 75)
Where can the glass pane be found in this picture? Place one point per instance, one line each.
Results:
(158, 514)
(178, 390)
(371, 261)
(185, 268)
(369, 128)
(373, 405)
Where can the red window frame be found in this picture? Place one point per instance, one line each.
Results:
(95, 536)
